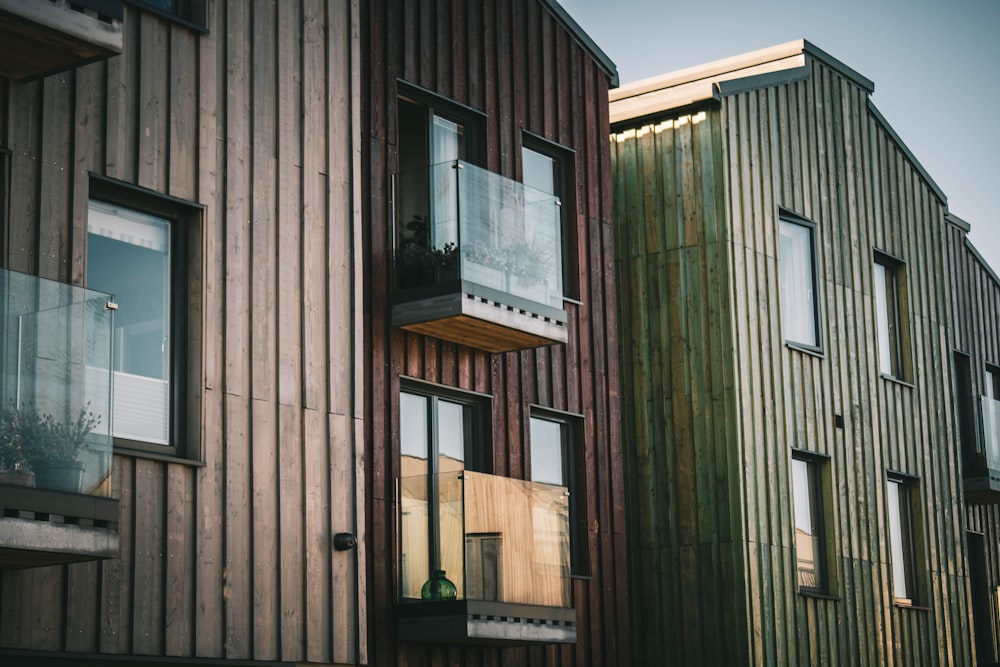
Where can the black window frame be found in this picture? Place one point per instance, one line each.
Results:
(185, 223)
(564, 158)
(475, 452)
(788, 217)
(908, 520)
(574, 474)
(896, 315)
(991, 381)
(817, 471)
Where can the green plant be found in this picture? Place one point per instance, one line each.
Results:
(11, 450)
(32, 439)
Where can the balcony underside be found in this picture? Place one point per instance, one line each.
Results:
(40, 37)
(485, 623)
(983, 487)
(40, 527)
(485, 322)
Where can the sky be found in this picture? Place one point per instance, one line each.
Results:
(935, 64)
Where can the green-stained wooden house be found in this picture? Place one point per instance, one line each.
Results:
(794, 474)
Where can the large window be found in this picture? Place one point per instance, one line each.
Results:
(992, 382)
(799, 297)
(890, 320)
(810, 539)
(439, 439)
(552, 461)
(902, 544)
(138, 250)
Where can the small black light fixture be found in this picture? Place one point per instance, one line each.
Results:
(344, 541)
(838, 421)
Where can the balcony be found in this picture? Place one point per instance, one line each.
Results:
(478, 259)
(55, 443)
(39, 37)
(484, 560)
(982, 477)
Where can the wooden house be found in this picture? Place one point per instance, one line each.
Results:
(492, 373)
(204, 183)
(795, 489)
(321, 295)
(975, 316)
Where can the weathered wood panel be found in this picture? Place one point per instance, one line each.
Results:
(520, 66)
(714, 400)
(229, 554)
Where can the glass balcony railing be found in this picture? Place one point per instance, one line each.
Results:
(55, 349)
(492, 538)
(458, 222)
(991, 431)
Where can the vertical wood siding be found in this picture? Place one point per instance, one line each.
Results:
(516, 63)
(716, 400)
(975, 313)
(257, 120)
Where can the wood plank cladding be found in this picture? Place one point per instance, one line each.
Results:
(715, 400)
(975, 337)
(227, 555)
(518, 68)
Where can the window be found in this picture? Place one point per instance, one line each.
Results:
(890, 322)
(902, 545)
(552, 461)
(188, 12)
(797, 271)
(138, 251)
(439, 439)
(546, 167)
(434, 134)
(992, 374)
(810, 539)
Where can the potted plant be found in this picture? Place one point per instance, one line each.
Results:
(51, 447)
(13, 463)
(419, 263)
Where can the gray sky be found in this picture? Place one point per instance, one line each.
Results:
(935, 64)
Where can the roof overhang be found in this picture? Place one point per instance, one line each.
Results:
(688, 87)
(584, 40)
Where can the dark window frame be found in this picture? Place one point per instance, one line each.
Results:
(565, 161)
(786, 216)
(896, 315)
(574, 473)
(185, 222)
(477, 454)
(816, 467)
(908, 520)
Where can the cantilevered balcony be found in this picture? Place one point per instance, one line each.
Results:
(55, 447)
(478, 259)
(982, 475)
(484, 559)
(39, 37)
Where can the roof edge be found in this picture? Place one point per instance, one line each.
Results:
(585, 40)
(771, 54)
(982, 260)
(958, 222)
(906, 151)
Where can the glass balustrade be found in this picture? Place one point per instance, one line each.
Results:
(458, 222)
(991, 431)
(55, 417)
(493, 539)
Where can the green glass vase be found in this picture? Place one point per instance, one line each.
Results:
(438, 587)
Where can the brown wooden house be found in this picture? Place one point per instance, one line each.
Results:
(975, 315)
(204, 183)
(795, 495)
(490, 326)
(315, 300)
